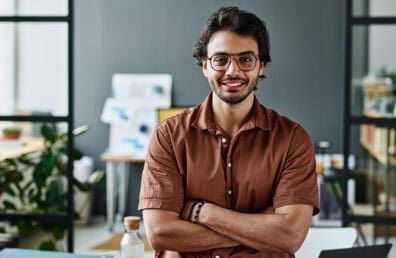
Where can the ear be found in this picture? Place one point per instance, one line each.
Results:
(262, 68)
(204, 67)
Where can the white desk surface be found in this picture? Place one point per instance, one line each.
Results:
(29, 145)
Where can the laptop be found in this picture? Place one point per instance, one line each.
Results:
(377, 251)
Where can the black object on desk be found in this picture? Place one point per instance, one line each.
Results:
(377, 251)
(8, 240)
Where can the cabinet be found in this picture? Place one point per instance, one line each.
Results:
(370, 113)
(37, 75)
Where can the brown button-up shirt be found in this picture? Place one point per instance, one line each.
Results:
(268, 162)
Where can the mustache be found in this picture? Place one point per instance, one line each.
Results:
(230, 78)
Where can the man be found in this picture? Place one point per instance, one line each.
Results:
(229, 178)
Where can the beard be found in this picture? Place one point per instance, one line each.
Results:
(215, 86)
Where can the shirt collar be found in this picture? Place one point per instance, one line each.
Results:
(204, 119)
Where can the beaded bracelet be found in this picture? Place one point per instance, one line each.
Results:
(197, 210)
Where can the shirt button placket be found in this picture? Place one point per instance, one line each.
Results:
(229, 192)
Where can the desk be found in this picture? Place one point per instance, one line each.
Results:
(19, 253)
(117, 175)
(29, 145)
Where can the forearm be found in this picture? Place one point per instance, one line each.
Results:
(258, 231)
(172, 233)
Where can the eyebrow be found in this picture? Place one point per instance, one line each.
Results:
(240, 53)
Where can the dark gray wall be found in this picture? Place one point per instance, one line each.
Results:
(150, 36)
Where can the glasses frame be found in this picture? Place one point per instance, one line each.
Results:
(236, 61)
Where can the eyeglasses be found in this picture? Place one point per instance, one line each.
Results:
(245, 62)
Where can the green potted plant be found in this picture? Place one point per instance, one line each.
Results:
(35, 182)
(11, 133)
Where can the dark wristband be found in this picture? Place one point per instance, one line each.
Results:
(190, 210)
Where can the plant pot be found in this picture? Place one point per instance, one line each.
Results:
(83, 204)
(11, 136)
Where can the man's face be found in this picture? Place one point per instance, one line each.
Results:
(232, 85)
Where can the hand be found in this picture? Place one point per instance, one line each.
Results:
(268, 210)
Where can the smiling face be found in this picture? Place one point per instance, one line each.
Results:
(233, 85)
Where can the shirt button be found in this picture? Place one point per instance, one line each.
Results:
(229, 192)
(229, 164)
(223, 140)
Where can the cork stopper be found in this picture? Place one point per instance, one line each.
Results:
(131, 222)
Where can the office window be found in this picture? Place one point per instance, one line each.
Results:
(33, 65)
(34, 7)
(7, 58)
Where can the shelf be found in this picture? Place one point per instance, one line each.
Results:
(377, 129)
(380, 121)
(34, 18)
(373, 20)
(8, 216)
(21, 118)
(375, 114)
(67, 217)
(386, 220)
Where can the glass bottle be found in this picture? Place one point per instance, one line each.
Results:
(132, 245)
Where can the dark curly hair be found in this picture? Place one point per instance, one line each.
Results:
(235, 20)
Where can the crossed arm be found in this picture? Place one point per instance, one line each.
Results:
(283, 229)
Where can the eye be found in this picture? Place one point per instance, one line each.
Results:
(220, 60)
(246, 59)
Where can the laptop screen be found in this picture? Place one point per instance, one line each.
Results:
(377, 251)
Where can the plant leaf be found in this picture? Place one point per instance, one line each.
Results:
(48, 245)
(9, 205)
(10, 191)
(77, 154)
(96, 177)
(48, 132)
(53, 192)
(58, 231)
(25, 227)
(80, 130)
(27, 160)
(44, 169)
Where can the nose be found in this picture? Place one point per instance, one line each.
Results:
(233, 68)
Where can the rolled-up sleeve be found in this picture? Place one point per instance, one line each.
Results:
(161, 185)
(298, 180)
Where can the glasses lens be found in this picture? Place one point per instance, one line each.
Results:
(220, 62)
(246, 62)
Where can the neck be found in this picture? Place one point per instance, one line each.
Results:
(230, 117)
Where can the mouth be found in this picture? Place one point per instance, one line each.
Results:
(233, 85)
